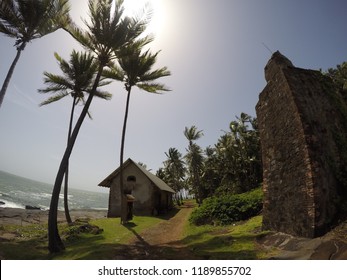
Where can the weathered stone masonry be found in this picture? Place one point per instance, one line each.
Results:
(297, 122)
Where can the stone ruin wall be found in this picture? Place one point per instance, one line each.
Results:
(296, 129)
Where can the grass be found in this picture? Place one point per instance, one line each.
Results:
(105, 245)
(31, 241)
(237, 241)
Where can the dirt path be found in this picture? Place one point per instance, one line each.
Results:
(164, 241)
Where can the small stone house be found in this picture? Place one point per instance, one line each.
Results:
(151, 195)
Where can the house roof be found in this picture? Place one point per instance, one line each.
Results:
(159, 183)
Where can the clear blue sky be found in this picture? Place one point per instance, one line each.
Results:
(215, 52)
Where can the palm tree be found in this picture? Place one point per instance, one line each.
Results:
(192, 134)
(135, 70)
(239, 156)
(195, 162)
(210, 177)
(107, 31)
(175, 170)
(26, 20)
(195, 159)
(77, 79)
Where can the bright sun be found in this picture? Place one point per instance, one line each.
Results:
(134, 7)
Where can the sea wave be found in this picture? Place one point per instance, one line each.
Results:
(10, 204)
(17, 192)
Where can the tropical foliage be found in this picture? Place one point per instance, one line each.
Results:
(227, 209)
(174, 172)
(339, 77)
(231, 166)
(238, 156)
(26, 20)
(194, 159)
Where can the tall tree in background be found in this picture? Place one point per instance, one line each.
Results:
(26, 20)
(175, 172)
(195, 160)
(210, 179)
(76, 81)
(135, 70)
(107, 30)
(239, 156)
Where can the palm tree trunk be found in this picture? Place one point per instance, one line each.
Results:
(66, 178)
(10, 72)
(54, 241)
(198, 187)
(123, 212)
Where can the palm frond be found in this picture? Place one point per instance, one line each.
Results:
(104, 82)
(159, 73)
(10, 21)
(56, 83)
(27, 20)
(54, 98)
(153, 87)
(115, 73)
(103, 95)
(79, 35)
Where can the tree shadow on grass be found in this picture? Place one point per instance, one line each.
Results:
(33, 249)
(130, 226)
(166, 215)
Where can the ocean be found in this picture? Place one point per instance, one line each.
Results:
(18, 192)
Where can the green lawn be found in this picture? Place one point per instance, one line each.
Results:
(237, 241)
(31, 241)
(205, 242)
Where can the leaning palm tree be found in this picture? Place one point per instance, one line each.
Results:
(26, 20)
(76, 81)
(107, 30)
(134, 70)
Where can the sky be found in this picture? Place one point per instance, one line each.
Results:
(216, 52)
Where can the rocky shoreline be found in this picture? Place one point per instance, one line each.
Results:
(17, 216)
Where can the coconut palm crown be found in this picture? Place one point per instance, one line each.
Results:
(77, 79)
(26, 20)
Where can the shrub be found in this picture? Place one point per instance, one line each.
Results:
(224, 210)
(79, 227)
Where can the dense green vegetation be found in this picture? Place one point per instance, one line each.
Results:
(233, 165)
(233, 242)
(227, 209)
(221, 177)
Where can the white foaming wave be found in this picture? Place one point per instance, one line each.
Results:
(9, 204)
(61, 196)
(43, 207)
(40, 195)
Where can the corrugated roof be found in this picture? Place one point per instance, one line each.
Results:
(154, 179)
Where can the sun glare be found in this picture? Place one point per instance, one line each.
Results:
(136, 7)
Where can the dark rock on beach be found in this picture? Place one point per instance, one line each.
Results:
(32, 207)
